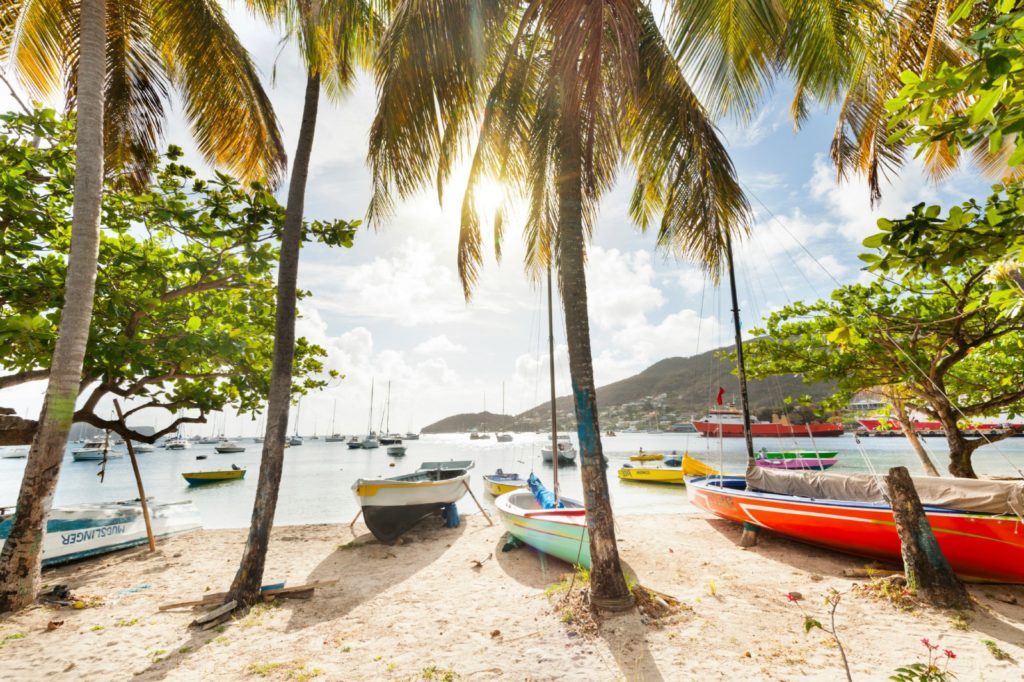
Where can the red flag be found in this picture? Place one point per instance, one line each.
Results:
(721, 392)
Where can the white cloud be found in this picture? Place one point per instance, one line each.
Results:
(438, 345)
(621, 287)
(749, 133)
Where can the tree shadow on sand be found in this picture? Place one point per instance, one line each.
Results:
(626, 637)
(529, 567)
(365, 568)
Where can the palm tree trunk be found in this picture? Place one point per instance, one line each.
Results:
(246, 585)
(607, 584)
(20, 560)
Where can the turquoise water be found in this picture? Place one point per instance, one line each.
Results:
(318, 476)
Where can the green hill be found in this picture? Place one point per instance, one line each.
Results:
(671, 390)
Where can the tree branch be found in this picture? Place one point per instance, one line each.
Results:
(23, 377)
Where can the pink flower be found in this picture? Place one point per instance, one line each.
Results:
(793, 596)
(949, 653)
(931, 647)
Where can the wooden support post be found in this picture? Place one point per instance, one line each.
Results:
(358, 514)
(138, 478)
(749, 536)
(928, 573)
(478, 506)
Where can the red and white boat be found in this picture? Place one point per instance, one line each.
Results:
(884, 423)
(727, 422)
(981, 546)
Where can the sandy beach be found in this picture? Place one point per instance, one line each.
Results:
(422, 610)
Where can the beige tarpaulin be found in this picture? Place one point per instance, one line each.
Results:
(967, 494)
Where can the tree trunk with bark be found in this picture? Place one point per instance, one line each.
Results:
(608, 588)
(961, 448)
(20, 560)
(911, 434)
(928, 573)
(246, 585)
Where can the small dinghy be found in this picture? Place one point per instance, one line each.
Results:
(533, 517)
(796, 459)
(392, 506)
(227, 447)
(672, 471)
(203, 477)
(84, 530)
(396, 450)
(500, 483)
(647, 457)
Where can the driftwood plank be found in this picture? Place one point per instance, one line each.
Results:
(216, 613)
(217, 596)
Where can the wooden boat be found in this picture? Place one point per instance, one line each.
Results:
(796, 459)
(562, 533)
(227, 447)
(979, 546)
(204, 477)
(500, 483)
(673, 471)
(647, 457)
(392, 506)
(84, 530)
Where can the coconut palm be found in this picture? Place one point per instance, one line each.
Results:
(334, 37)
(910, 35)
(557, 96)
(117, 62)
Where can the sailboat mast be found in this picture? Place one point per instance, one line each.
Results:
(334, 417)
(369, 423)
(387, 410)
(744, 399)
(554, 413)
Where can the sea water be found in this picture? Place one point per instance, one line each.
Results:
(316, 486)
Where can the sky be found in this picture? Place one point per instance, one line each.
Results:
(391, 309)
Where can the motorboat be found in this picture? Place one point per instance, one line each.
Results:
(225, 447)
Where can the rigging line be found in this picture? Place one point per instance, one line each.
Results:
(791, 235)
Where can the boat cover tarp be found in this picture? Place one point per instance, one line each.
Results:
(545, 498)
(966, 494)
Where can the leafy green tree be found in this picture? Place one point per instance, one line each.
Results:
(931, 338)
(334, 37)
(185, 296)
(117, 65)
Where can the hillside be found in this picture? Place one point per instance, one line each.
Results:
(673, 389)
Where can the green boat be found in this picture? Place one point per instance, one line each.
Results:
(796, 459)
(560, 532)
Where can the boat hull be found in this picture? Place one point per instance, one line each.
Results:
(729, 430)
(567, 456)
(652, 475)
(980, 547)
(391, 507)
(803, 460)
(81, 531)
(205, 477)
(93, 455)
(229, 450)
(498, 486)
(562, 533)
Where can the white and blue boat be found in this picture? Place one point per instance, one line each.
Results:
(84, 530)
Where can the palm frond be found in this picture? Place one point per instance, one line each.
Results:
(224, 101)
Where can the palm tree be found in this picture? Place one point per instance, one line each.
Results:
(334, 36)
(910, 35)
(557, 96)
(118, 78)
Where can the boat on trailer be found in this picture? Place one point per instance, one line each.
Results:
(83, 530)
(559, 531)
(976, 522)
(392, 506)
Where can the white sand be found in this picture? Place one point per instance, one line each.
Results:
(414, 610)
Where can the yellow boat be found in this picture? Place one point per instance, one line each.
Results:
(204, 477)
(672, 472)
(647, 457)
(500, 483)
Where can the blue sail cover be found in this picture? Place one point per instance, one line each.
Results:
(545, 497)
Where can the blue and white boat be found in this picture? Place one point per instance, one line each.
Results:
(85, 530)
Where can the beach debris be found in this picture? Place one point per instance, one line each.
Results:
(477, 563)
(215, 597)
(210, 617)
(495, 633)
(1006, 599)
(54, 624)
(512, 542)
